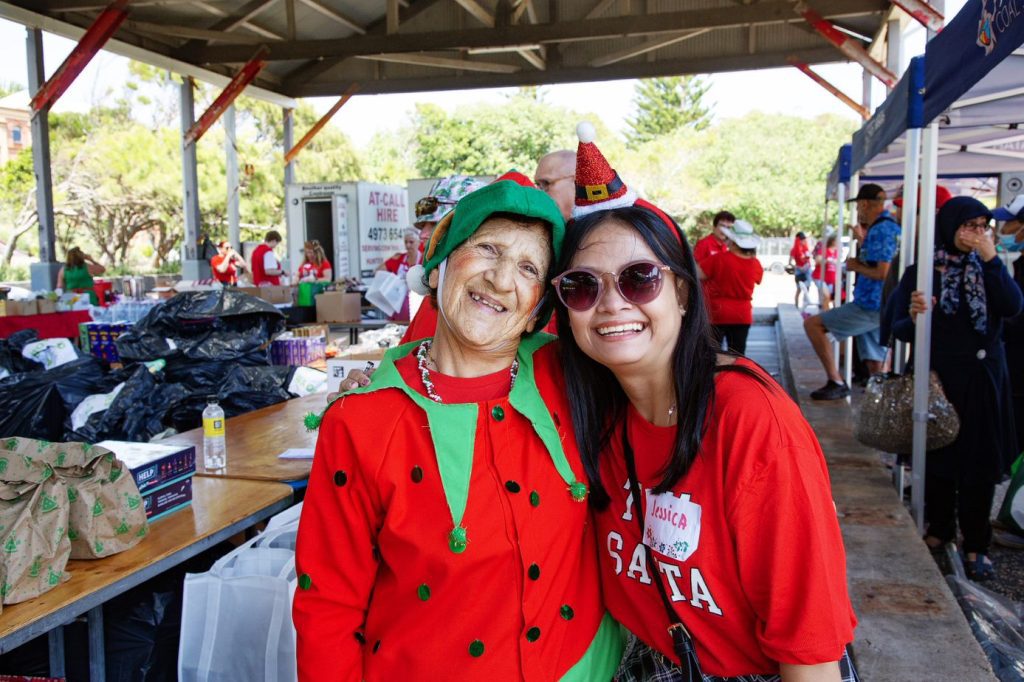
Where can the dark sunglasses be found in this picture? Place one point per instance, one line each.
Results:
(428, 205)
(638, 282)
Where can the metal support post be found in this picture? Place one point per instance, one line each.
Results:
(289, 138)
(191, 267)
(923, 326)
(908, 234)
(848, 286)
(841, 273)
(894, 47)
(44, 273)
(55, 639)
(97, 650)
(234, 186)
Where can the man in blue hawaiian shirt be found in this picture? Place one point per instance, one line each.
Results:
(860, 317)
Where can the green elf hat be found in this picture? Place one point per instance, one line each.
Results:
(511, 193)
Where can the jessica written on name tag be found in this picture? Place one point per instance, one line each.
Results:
(672, 525)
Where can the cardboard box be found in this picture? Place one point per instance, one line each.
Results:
(153, 465)
(28, 307)
(45, 306)
(339, 367)
(275, 294)
(336, 306)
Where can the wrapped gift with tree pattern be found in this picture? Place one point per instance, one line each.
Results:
(34, 513)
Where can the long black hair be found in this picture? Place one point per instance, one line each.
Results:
(596, 399)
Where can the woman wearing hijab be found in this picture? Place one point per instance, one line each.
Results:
(974, 294)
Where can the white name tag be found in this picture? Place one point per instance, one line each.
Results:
(672, 525)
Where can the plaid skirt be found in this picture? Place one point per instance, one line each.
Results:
(641, 663)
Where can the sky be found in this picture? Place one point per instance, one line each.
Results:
(731, 94)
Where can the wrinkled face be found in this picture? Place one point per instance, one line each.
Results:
(554, 177)
(970, 232)
(411, 242)
(493, 283)
(624, 336)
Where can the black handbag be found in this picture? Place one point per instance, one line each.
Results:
(682, 641)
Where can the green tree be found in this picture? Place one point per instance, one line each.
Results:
(9, 88)
(664, 105)
(488, 139)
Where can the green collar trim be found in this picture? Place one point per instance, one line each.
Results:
(453, 428)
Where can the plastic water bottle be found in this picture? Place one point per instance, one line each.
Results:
(214, 447)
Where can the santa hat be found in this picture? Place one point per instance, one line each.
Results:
(598, 186)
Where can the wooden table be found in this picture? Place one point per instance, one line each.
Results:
(220, 509)
(354, 328)
(255, 439)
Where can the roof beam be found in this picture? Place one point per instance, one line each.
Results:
(861, 110)
(247, 12)
(190, 33)
(91, 5)
(245, 75)
(643, 48)
(251, 26)
(478, 12)
(535, 60)
(392, 17)
(443, 62)
(599, 9)
(578, 74)
(842, 42)
(767, 12)
(343, 19)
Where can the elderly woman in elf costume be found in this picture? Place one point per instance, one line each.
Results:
(444, 533)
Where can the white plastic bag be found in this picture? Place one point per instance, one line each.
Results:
(387, 291)
(237, 617)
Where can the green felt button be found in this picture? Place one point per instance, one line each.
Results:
(533, 572)
(457, 540)
(305, 582)
(567, 612)
(417, 474)
(498, 413)
(535, 498)
(476, 648)
(423, 592)
(340, 478)
(533, 634)
(512, 486)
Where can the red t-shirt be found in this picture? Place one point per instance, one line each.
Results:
(707, 247)
(229, 276)
(800, 254)
(831, 260)
(748, 541)
(318, 271)
(730, 282)
(259, 273)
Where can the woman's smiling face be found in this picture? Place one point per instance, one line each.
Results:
(615, 332)
(493, 283)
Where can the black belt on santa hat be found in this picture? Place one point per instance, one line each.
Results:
(611, 187)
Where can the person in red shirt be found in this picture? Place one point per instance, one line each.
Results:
(800, 260)
(732, 275)
(715, 242)
(400, 263)
(444, 533)
(266, 269)
(710, 493)
(315, 266)
(226, 264)
(826, 252)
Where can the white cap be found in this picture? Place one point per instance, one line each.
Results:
(743, 234)
(1012, 210)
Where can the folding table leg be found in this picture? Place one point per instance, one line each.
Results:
(97, 654)
(56, 641)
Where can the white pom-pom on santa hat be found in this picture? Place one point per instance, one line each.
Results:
(414, 280)
(586, 132)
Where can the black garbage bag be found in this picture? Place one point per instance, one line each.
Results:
(11, 358)
(37, 404)
(242, 389)
(136, 414)
(201, 326)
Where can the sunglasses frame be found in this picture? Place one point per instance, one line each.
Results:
(599, 276)
(430, 201)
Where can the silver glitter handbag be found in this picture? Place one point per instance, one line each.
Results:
(885, 417)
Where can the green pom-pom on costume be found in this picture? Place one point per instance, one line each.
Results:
(578, 491)
(457, 540)
(312, 421)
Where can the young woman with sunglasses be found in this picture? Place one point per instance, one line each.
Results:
(737, 505)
